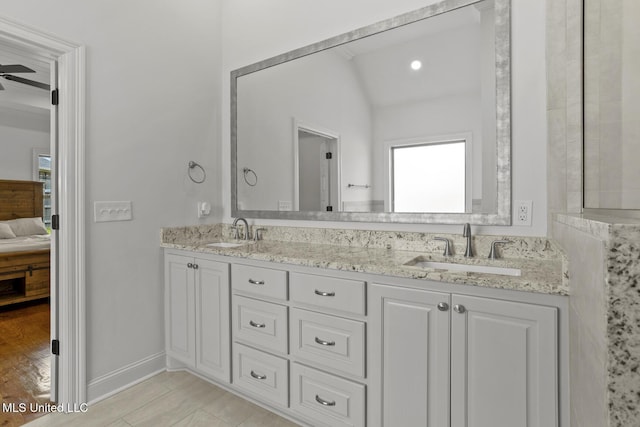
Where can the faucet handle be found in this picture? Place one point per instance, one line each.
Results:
(493, 253)
(236, 234)
(447, 247)
(256, 233)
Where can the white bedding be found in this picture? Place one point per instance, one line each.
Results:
(25, 243)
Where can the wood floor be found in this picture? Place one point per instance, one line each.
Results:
(169, 399)
(24, 359)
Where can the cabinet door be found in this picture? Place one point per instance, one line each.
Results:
(179, 309)
(409, 357)
(504, 364)
(213, 355)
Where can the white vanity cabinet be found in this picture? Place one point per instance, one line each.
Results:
(441, 359)
(197, 313)
(335, 348)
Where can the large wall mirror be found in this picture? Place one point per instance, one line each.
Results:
(406, 120)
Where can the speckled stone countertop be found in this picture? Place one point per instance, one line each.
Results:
(622, 305)
(542, 264)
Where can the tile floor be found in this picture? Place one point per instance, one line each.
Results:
(169, 399)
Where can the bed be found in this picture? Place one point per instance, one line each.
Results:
(24, 259)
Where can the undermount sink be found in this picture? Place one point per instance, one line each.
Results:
(420, 262)
(228, 244)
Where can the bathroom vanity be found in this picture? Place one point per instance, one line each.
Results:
(332, 335)
(363, 328)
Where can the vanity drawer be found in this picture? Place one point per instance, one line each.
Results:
(328, 400)
(262, 374)
(260, 323)
(259, 281)
(328, 292)
(331, 341)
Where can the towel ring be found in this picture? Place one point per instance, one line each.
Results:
(193, 165)
(247, 171)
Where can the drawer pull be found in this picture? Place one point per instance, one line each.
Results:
(325, 343)
(256, 325)
(258, 376)
(325, 402)
(256, 282)
(325, 294)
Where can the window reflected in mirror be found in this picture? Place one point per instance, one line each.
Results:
(428, 177)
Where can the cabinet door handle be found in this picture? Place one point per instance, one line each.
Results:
(256, 325)
(196, 266)
(459, 308)
(325, 402)
(258, 376)
(256, 282)
(189, 265)
(325, 343)
(443, 306)
(325, 294)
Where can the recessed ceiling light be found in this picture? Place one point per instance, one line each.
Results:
(416, 65)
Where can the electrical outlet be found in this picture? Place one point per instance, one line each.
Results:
(284, 205)
(524, 210)
(204, 209)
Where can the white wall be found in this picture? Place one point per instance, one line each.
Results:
(16, 151)
(153, 99)
(254, 30)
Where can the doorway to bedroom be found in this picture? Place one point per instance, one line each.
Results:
(26, 197)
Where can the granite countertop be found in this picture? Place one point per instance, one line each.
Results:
(542, 275)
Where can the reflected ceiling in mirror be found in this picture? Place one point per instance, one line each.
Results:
(406, 120)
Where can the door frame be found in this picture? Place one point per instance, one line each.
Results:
(299, 125)
(68, 243)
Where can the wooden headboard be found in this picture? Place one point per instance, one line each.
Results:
(20, 199)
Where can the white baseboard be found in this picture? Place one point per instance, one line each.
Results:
(125, 377)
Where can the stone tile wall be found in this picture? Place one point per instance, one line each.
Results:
(604, 319)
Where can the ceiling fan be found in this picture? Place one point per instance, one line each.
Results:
(7, 71)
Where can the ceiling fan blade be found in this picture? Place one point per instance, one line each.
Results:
(27, 81)
(16, 68)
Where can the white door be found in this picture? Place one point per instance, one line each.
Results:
(212, 318)
(409, 357)
(329, 185)
(504, 364)
(180, 308)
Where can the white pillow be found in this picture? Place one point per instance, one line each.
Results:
(27, 226)
(6, 232)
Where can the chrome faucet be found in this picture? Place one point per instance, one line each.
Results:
(246, 228)
(466, 232)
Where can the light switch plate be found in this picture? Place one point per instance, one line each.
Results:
(112, 211)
